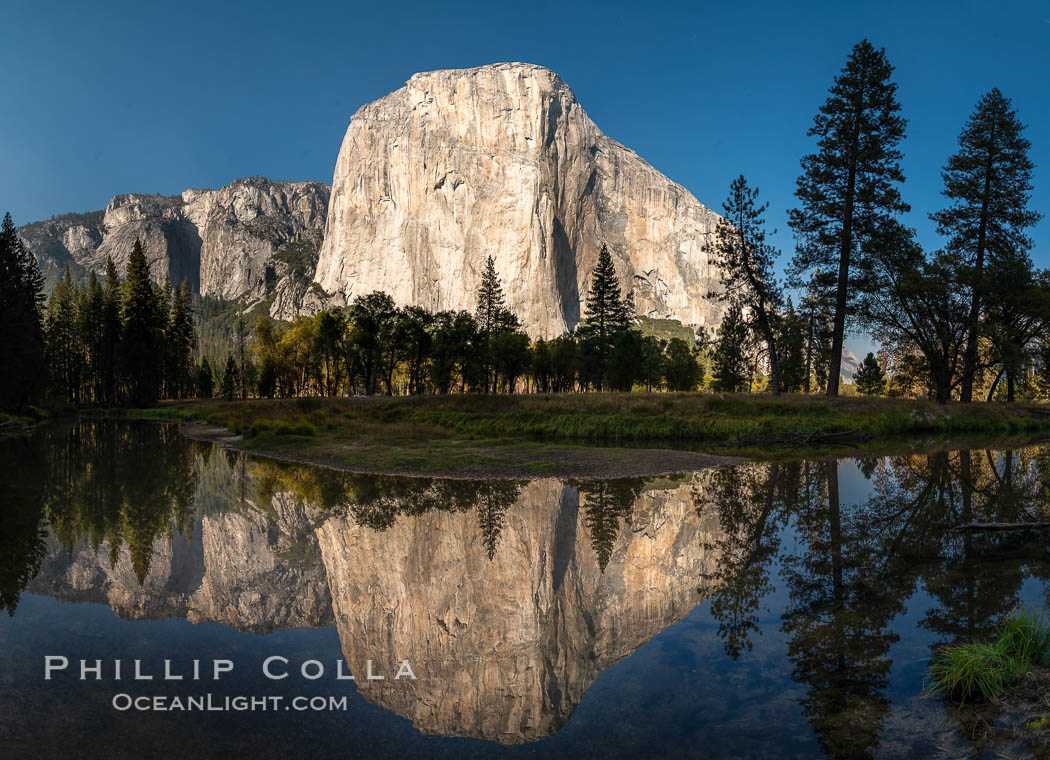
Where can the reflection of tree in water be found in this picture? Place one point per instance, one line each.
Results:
(746, 497)
(857, 563)
(842, 600)
(376, 501)
(127, 483)
(977, 577)
(494, 498)
(95, 482)
(605, 503)
(22, 532)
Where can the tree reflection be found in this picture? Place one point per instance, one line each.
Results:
(856, 562)
(103, 483)
(22, 532)
(376, 501)
(605, 504)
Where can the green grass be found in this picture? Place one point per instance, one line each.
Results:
(612, 418)
(532, 433)
(980, 670)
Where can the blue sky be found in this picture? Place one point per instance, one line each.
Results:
(111, 97)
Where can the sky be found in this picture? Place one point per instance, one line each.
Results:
(104, 97)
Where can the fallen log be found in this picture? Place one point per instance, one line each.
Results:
(1000, 526)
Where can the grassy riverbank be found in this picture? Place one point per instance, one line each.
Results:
(558, 434)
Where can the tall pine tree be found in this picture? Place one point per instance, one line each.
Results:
(851, 183)
(745, 264)
(21, 328)
(142, 334)
(111, 333)
(62, 334)
(608, 313)
(989, 184)
(490, 313)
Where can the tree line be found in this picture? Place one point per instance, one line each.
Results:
(373, 346)
(971, 315)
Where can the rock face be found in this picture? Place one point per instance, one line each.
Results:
(501, 160)
(228, 243)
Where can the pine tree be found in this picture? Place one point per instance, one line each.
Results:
(791, 349)
(229, 379)
(870, 379)
(989, 184)
(205, 380)
(142, 334)
(92, 338)
(62, 338)
(489, 311)
(851, 184)
(490, 299)
(745, 264)
(729, 359)
(180, 338)
(21, 325)
(111, 333)
(608, 312)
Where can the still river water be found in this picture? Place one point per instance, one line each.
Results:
(765, 610)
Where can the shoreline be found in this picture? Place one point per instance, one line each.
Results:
(589, 436)
(591, 463)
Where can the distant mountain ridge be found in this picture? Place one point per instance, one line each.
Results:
(228, 243)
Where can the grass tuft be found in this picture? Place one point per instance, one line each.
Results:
(983, 671)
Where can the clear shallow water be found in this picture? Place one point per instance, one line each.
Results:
(760, 611)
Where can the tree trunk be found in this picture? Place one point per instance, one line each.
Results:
(995, 383)
(973, 319)
(842, 291)
(809, 351)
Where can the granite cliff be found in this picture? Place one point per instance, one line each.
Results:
(431, 179)
(502, 160)
(249, 238)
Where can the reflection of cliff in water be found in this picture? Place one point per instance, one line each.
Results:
(508, 599)
(505, 647)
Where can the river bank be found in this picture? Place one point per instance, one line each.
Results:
(577, 435)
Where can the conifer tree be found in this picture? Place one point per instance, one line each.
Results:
(92, 336)
(608, 313)
(62, 337)
(791, 349)
(490, 313)
(21, 325)
(181, 339)
(745, 264)
(111, 333)
(851, 183)
(229, 379)
(205, 380)
(729, 358)
(142, 334)
(989, 184)
(870, 379)
(490, 299)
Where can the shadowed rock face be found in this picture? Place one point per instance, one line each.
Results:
(222, 241)
(504, 648)
(501, 160)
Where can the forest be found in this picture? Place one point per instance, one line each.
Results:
(968, 321)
